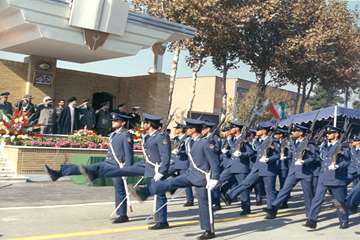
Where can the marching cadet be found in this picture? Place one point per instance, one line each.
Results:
(333, 177)
(300, 170)
(180, 162)
(239, 164)
(281, 135)
(157, 153)
(265, 167)
(353, 199)
(259, 188)
(207, 133)
(5, 106)
(120, 154)
(203, 174)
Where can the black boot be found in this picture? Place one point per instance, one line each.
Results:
(226, 199)
(206, 235)
(188, 204)
(86, 173)
(270, 213)
(216, 207)
(54, 175)
(141, 193)
(344, 225)
(311, 224)
(159, 226)
(121, 219)
(245, 210)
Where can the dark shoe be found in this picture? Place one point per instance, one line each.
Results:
(159, 226)
(270, 213)
(140, 193)
(226, 199)
(306, 224)
(344, 225)
(121, 219)
(172, 192)
(88, 174)
(284, 206)
(54, 175)
(188, 204)
(206, 235)
(216, 207)
(311, 224)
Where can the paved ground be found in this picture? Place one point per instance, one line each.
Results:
(62, 210)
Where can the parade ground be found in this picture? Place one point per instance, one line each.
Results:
(63, 210)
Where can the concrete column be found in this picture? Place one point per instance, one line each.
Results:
(158, 51)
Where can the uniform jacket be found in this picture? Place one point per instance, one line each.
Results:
(122, 143)
(270, 168)
(305, 170)
(203, 159)
(158, 151)
(180, 160)
(331, 177)
(240, 164)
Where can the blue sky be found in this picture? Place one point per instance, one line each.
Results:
(140, 64)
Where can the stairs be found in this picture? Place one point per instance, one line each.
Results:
(7, 173)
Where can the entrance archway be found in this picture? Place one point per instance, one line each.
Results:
(101, 97)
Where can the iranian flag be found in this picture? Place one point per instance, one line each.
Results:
(273, 110)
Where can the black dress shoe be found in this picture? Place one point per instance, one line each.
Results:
(226, 199)
(206, 235)
(121, 219)
(54, 175)
(310, 224)
(216, 207)
(159, 226)
(188, 204)
(141, 193)
(86, 173)
(270, 213)
(344, 225)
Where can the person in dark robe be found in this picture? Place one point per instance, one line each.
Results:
(87, 115)
(69, 118)
(103, 119)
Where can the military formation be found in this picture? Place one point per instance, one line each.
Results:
(229, 166)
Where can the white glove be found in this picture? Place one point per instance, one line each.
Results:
(282, 157)
(224, 150)
(299, 162)
(237, 153)
(333, 167)
(264, 159)
(211, 184)
(157, 176)
(175, 151)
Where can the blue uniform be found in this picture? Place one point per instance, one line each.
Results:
(333, 180)
(265, 170)
(353, 199)
(302, 173)
(284, 161)
(238, 167)
(120, 153)
(203, 159)
(180, 163)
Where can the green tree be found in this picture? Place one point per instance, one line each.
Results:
(325, 97)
